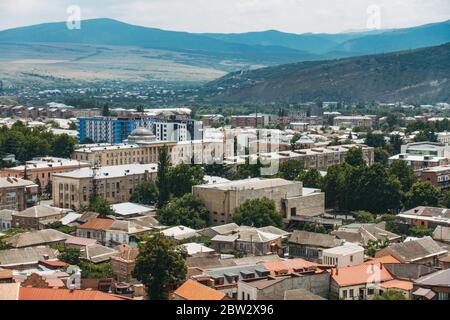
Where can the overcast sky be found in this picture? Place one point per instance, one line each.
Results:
(296, 16)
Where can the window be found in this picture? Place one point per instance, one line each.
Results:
(293, 212)
(344, 293)
(352, 293)
(351, 258)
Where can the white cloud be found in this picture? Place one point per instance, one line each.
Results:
(296, 16)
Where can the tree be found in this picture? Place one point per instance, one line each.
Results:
(258, 213)
(162, 181)
(445, 199)
(396, 142)
(364, 217)
(182, 177)
(375, 140)
(310, 178)
(422, 193)
(101, 206)
(160, 265)
(420, 231)
(290, 169)
(187, 210)
(145, 193)
(334, 186)
(355, 157)
(70, 256)
(403, 173)
(390, 295)
(63, 146)
(381, 156)
(105, 110)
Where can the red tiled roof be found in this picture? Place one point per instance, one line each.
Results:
(193, 290)
(97, 224)
(53, 263)
(64, 294)
(361, 274)
(398, 284)
(292, 265)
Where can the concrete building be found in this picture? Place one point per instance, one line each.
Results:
(428, 217)
(111, 130)
(310, 245)
(17, 194)
(42, 169)
(114, 183)
(421, 155)
(354, 121)
(222, 199)
(343, 256)
(254, 121)
(439, 176)
(121, 154)
(35, 217)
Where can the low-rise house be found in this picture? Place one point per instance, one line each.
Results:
(363, 234)
(6, 276)
(25, 258)
(310, 245)
(343, 256)
(428, 217)
(248, 240)
(95, 229)
(302, 295)
(6, 219)
(424, 251)
(194, 249)
(17, 194)
(33, 218)
(441, 234)
(16, 292)
(225, 279)
(434, 286)
(78, 243)
(180, 233)
(220, 230)
(359, 282)
(122, 232)
(122, 264)
(47, 237)
(193, 290)
(274, 288)
(96, 253)
(132, 210)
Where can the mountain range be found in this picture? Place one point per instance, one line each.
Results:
(414, 76)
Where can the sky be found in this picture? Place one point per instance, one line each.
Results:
(234, 16)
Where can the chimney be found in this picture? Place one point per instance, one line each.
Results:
(337, 271)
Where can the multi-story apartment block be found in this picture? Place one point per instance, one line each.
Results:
(355, 121)
(170, 131)
(120, 154)
(421, 155)
(41, 170)
(115, 183)
(247, 121)
(222, 199)
(110, 130)
(17, 194)
(439, 176)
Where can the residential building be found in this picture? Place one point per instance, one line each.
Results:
(121, 154)
(310, 245)
(41, 170)
(95, 229)
(439, 176)
(210, 120)
(435, 286)
(343, 256)
(132, 210)
(248, 240)
(363, 234)
(111, 130)
(35, 217)
(443, 137)
(274, 288)
(47, 237)
(114, 183)
(17, 194)
(423, 251)
(222, 199)
(97, 253)
(26, 258)
(421, 155)
(193, 290)
(6, 219)
(428, 217)
(254, 121)
(170, 131)
(122, 264)
(355, 121)
(441, 234)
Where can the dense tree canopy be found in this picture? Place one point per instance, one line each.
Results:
(258, 213)
(182, 177)
(311, 178)
(101, 206)
(188, 211)
(291, 169)
(422, 193)
(162, 180)
(355, 157)
(145, 193)
(160, 265)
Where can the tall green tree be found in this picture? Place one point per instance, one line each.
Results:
(355, 157)
(160, 265)
(145, 193)
(291, 169)
(260, 212)
(162, 180)
(403, 173)
(182, 177)
(101, 206)
(311, 178)
(63, 146)
(188, 211)
(422, 193)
